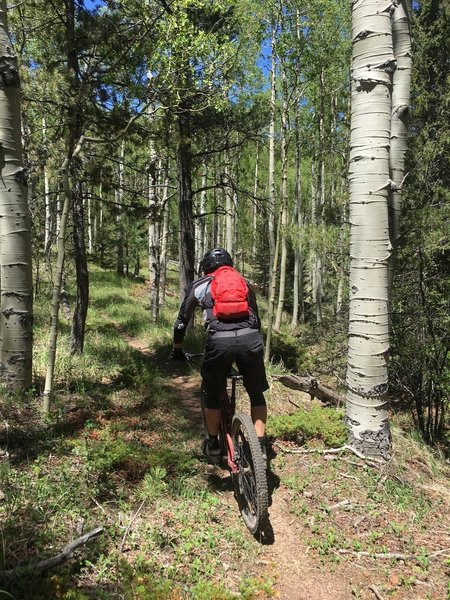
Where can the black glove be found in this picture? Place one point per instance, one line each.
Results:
(178, 355)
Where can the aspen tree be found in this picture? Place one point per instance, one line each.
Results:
(284, 200)
(16, 305)
(367, 376)
(401, 33)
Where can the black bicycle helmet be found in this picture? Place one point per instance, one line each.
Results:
(213, 259)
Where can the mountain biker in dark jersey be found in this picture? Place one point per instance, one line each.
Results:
(239, 341)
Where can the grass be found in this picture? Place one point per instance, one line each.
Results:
(121, 450)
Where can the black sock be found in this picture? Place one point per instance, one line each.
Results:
(213, 438)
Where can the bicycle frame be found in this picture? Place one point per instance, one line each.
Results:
(228, 407)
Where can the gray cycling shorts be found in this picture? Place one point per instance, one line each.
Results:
(247, 351)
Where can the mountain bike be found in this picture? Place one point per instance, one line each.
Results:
(241, 452)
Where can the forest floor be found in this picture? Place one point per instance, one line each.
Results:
(122, 451)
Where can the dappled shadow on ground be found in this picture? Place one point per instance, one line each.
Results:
(25, 434)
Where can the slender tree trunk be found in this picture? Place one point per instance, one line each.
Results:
(82, 301)
(200, 222)
(74, 114)
(16, 304)
(401, 32)
(164, 235)
(58, 276)
(47, 203)
(229, 208)
(90, 223)
(120, 263)
(298, 313)
(186, 213)
(255, 207)
(153, 236)
(271, 198)
(272, 293)
(367, 375)
(284, 204)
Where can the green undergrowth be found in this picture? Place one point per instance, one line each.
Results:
(121, 450)
(318, 424)
(354, 511)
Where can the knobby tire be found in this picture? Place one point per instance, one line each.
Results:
(251, 480)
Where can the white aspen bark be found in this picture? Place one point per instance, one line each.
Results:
(153, 235)
(48, 216)
(200, 221)
(370, 249)
(164, 235)
(271, 195)
(16, 304)
(320, 202)
(401, 32)
(90, 236)
(284, 204)
(118, 195)
(100, 212)
(340, 293)
(298, 313)
(229, 217)
(255, 206)
(58, 213)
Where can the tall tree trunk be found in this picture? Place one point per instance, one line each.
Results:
(185, 206)
(271, 196)
(401, 34)
(255, 207)
(75, 128)
(284, 204)
(367, 374)
(118, 194)
(90, 223)
(164, 234)
(47, 203)
(58, 276)
(320, 200)
(298, 313)
(16, 304)
(229, 208)
(272, 292)
(153, 236)
(82, 301)
(200, 221)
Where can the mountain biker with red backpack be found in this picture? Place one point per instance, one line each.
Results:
(230, 316)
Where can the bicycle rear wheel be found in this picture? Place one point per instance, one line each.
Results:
(251, 479)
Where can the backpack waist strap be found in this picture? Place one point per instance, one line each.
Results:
(233, 333)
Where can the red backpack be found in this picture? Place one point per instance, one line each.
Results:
(229, 293)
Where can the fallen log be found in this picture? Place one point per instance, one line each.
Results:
(311, 386)
(49, 563)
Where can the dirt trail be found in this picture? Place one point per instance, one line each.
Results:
(298, 572)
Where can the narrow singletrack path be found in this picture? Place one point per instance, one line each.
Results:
(284, 554)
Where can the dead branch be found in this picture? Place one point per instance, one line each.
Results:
(371, 461)
(340, 504)
(376, 591)
(391, 555)
(311, 386)
(49, 563)
(132, 520)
